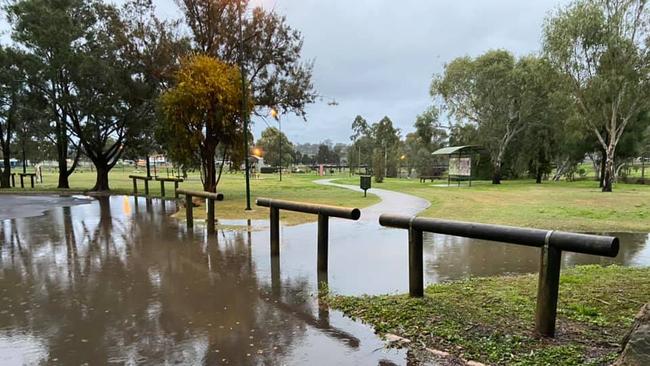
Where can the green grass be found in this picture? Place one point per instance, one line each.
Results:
(575, 206)
(491, 319)
(295, 187)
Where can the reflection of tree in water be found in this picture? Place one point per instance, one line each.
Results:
(133, 289)
(449, 257)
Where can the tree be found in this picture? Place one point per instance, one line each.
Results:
(602, 47)
(201, 112)
(50, 31)
(428, 137)
(12, 89)
(500, 95)
(272, 141)
(264, 46)
(386, 139)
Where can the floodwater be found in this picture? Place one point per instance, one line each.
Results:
(118, 281)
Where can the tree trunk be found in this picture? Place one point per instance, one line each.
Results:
(496, 177)
(538, 176)
(603, 162)
(209, 184)
(63, 173)
(101, 184)
(5, 181)
(608, 174)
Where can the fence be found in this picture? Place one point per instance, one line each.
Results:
(552, 243)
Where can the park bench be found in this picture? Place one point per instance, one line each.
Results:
(552, 244)
(162, 185)
(135, 183)
(324, 212)
(22, 178)
(189, 215)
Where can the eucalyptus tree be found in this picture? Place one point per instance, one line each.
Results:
(273, 142)
(98, 67)
(498, 94)
(12, 88)
(602, 47)
(52, 32)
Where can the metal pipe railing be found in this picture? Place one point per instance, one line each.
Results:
(210, 196)
(552, 243)
(324, 212)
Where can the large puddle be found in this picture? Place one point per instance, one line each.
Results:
(118, 282)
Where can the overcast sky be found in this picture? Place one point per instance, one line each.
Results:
(377, 57)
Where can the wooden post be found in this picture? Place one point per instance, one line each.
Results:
(275, 231)
(276, 286)
(162, 189)
(31, 180)
(210, 216)
(323, 234)
(188, 211)
(416, 263)
(547, 289)
(146, 187)
(135, 187)
(176, 189)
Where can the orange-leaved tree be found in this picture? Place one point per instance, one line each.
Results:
(202, 113)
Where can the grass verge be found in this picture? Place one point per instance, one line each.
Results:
(491, 319)
(573, 206)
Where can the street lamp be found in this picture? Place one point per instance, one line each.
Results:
(244, 106)
(276, 116)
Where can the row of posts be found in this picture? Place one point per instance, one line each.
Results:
(162, 181)
(551, 244)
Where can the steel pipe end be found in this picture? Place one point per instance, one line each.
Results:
(355, 214)
(614, 247)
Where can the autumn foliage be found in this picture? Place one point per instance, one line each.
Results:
(202, 112)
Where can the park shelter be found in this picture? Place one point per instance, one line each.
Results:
(461, 162)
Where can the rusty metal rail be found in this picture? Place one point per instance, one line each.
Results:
(324, 212)
(552, 243)
(210, 196)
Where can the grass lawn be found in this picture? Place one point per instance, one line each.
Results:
(295, 187)
(574, 206)
(491, 319)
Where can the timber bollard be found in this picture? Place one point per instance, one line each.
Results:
(324, 212)
(135, 184)
(165, 180)
(552, 243)
(210, 196)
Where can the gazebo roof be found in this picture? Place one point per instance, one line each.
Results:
(455, 149)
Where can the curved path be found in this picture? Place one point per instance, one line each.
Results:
(391, 201)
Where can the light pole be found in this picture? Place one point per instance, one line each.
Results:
(244, 106)
(274, 114)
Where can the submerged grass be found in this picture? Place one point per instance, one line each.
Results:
(492, 319)
(296, 187)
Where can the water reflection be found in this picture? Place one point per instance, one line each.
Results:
(117, 281)
(449, 257)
